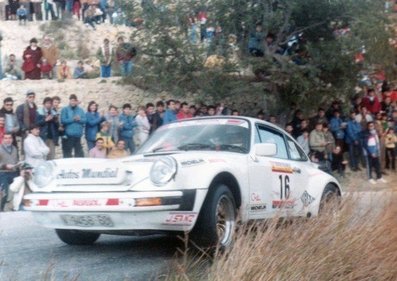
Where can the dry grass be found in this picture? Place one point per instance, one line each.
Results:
(352, 245)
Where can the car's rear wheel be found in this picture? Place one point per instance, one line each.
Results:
(217, 220)
(330, 200)
(77, 237)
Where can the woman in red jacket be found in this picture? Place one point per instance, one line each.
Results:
(31, 60)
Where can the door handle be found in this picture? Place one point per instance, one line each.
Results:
(296, 170)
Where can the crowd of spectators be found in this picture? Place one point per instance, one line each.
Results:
(364, 129)
(91, 12)
(42, 61)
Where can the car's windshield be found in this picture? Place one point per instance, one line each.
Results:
(202, 134)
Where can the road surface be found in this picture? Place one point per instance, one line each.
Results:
(31, 252)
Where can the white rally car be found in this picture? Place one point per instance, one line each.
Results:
(190, 176)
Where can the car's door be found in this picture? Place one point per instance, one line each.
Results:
(263, 178)
(276, 183)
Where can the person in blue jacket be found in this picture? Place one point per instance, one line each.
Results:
(94, 119)
(73, 120)
(170, 113)
(353, 140)
(127, 125)
(337, 127)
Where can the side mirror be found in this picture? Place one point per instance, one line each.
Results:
(265, 149)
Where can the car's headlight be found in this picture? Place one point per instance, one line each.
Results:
(163, 170)
(43, 174)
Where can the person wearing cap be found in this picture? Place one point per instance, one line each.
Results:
(73, 119)
(35, 149)
(20, 186)
(27, 112)
(8, 161)
(49, 126)
(31, 60)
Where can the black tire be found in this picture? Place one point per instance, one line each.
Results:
(77, 237)
(330, 200)
(216, 223)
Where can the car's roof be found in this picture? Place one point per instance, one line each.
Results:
(251, 120)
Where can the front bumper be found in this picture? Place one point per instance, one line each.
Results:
(118, 211)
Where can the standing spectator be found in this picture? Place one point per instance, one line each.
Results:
(170, 113)
(296, 122)
(320, 117)
(34, 147)
(49, 126)
(8, 171)
(13, 6)
(76, 9)
(63, 71)
(390, 144)
(84, 4)
(114, 123)
(2, 10)
(127, 125)
(118, 151)
(2, 128)
(372, 149)
(60, 8)
(364, 117)
(11, 121)
(99, 151)
(12, 70)
(73, 119)
(27, 112)
(337, 127)
(37, 9)
(153, 116)
(125, 52)
(22, 14)
(303, 141)
(79, 71)
(105, 54)
(50, 53)
(371, 102)
(90, 16)
(49, 8)
(317, 142)
(184, 113)
(255, 42)
(143, 125)
(352, 138)
(32, 57)
(329, 140)
(94, 119)
(193, 110)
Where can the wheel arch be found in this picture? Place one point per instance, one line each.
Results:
(231, 182)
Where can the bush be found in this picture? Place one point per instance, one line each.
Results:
(353, 245)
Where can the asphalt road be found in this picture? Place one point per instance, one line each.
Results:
(31, 252)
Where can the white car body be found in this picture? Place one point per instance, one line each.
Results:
(118, 196)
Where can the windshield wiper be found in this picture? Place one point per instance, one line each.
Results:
(193, 146)
(231, 147)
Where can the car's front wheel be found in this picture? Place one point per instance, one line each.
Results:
(330, 200)
(77, 237)
(217, 220)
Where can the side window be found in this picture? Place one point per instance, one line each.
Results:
(266, 135)
(295, 152)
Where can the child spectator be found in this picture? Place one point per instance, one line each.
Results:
(64, 71)
(22, 14)
(105, 136)
(46, 69)
(390, 144)
(12, 71)
(79, 72)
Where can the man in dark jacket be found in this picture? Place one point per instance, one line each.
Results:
(48, 120)
(11, 121)
(27, 113)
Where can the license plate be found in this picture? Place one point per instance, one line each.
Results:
(87, 220)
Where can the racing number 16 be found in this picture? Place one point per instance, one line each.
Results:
(284, 187)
